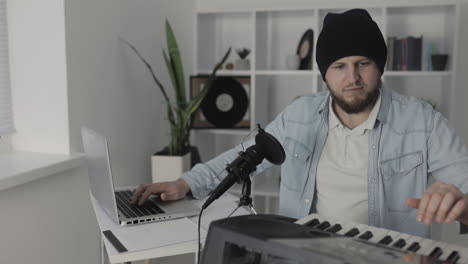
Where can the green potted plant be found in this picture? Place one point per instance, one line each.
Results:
(176, 156)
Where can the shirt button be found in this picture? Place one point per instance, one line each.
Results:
(373, 146)
(295, 155)
(307, 201)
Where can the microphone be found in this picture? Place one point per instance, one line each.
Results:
(266, 147)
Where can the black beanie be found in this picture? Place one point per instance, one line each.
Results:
(352, 33)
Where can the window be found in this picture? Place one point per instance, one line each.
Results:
(6, 115)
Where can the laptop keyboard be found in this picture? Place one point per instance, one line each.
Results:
(129, 210)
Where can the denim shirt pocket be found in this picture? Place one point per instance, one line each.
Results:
(295, 169)
(400, 177)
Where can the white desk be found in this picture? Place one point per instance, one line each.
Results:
(132, 236)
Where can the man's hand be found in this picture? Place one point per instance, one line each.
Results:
(444, 202)
(168, 191)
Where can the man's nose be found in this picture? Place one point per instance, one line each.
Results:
(353, 75)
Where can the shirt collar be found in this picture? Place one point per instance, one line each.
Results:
(334, 122)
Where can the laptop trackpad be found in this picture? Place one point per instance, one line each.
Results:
(178, 206)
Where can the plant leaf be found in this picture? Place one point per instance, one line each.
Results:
(170, 114)
(177, 66)
(170, 69)
(195, 103)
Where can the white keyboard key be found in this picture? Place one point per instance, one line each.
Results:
(427, 246)
(463, 254)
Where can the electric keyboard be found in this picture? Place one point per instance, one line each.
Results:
(443, 251)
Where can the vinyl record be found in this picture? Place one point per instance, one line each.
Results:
(225, 103)
(304, 50)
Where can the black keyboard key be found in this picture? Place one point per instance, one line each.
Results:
(453, 257)
(386, 240)
(151, 210)
(400, 243)
(366, 236)
(144, 209)
(352, 233)
(154, 206)
(436, 253)
(313, 222)
(136, 211)
(335, 228)
(323, 225)
(125, 206)
(123, 211)
(414, 247)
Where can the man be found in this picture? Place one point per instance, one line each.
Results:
(359, 152)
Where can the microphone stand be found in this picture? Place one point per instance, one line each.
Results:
(245, 200)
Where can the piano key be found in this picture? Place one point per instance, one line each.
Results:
(446, 248)
(353, 232)
(401, 240)
(310, 217)
(312, 223)
(403, 236)
(427, 246)
(436, 252)
(335, 228)
(414, 247)
(378, 233)
(412, 240)
(322, 219)
(453, 257)
(386, 240)
(463, 254)
(345, 228)
(400, 243)
(366, 235)
(322, 226)
(394, 234)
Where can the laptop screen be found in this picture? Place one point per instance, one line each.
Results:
(99, 171)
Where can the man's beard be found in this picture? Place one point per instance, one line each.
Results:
(361, 105)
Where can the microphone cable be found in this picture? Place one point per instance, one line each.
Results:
(199, 236)
(199, 225)
(257, 128)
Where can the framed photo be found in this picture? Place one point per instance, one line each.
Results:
(226, 105)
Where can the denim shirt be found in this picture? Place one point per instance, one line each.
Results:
(409, 142)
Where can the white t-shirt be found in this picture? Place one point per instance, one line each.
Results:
(342, 170)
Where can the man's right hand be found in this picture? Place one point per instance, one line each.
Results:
(168, 191)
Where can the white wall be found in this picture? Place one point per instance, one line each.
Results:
(38, 75)
(49, 220)
(109, 89)
(460, 122)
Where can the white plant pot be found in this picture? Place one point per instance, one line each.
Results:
(169, 168)
(242, 64)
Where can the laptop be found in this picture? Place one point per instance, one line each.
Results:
(116, 202)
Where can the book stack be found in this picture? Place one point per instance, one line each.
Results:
(404, 54)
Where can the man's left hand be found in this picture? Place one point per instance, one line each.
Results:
(442, 202)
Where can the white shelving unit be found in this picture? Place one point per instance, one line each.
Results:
(272, 34)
